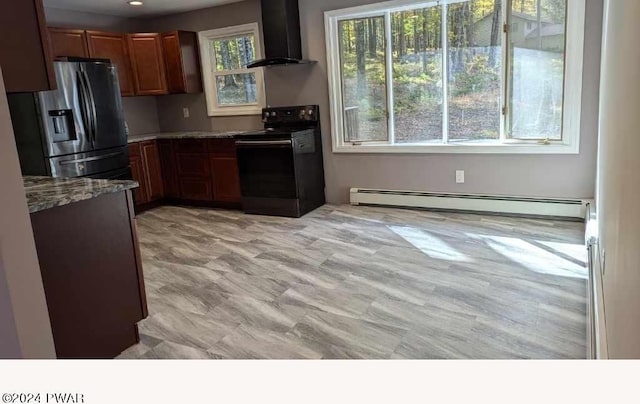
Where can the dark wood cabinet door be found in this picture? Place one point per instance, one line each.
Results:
(182, 60)
(169, 170)
(152, 171)
(147, 63)
(137, 172)
(196, 189)
(113, 46)
(226, 179)
(25, 51)
(173, 60)
(68, 42)
(193, 165)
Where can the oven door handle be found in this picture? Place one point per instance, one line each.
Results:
(263, 143)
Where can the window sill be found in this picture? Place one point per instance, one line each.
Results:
(477, 148)
(236, 112)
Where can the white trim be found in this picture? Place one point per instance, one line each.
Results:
(209, 72)
(574, 61)
(388, 54)
(444, 27)
(453, 148)
(568, 208)
(597, 312)
(597, 335)
(572, 104)
(504, 82)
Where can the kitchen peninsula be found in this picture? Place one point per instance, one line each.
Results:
(87, 245)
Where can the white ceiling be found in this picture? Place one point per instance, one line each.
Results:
(122, 9)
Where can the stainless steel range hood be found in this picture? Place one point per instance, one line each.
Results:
(281, 27)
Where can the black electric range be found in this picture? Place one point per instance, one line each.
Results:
(281, 166)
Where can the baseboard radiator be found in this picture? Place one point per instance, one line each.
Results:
(560, 208)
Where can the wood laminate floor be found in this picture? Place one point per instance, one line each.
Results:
(360, 282)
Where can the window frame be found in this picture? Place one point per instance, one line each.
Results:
(572, 94)
(210, 71)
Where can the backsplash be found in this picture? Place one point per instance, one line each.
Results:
(141, 114)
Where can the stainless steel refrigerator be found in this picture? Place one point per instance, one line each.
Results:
(77, 130)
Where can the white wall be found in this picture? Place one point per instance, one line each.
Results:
(619, 177)
(25, 330)
(550, 176)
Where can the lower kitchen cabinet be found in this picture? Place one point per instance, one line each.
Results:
(186, 170)
(169, 169)
(92, 275)
(146, 169)
(226, 179)
(137, 172)
(196, 189)
(152, 170)
(193, 165)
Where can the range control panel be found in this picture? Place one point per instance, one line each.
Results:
(288, 115)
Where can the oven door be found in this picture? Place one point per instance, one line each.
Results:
(267, 169)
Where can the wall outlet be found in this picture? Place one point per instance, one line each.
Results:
(185, 112)
(459, 177)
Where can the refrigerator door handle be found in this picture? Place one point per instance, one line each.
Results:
(89, 159)
(84, 107)
(92, 107)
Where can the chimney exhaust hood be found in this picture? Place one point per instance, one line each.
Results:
(281, 29)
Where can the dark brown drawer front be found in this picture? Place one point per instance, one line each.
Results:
(190, 145)
(193, 165)
(223, 147)
(196, 189)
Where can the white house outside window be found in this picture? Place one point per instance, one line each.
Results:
(470, 76)
(231, 88)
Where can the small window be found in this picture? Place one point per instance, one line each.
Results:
(231, 88)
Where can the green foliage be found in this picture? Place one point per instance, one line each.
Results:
(234, 53)
(416, 87)
(477, 76)
(416, 43)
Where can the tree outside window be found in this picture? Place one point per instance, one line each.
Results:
(448, 72)
(231, 88)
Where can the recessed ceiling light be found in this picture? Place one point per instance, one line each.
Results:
(135, 3)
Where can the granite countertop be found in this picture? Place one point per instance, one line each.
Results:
(46, 192)
(185, 135)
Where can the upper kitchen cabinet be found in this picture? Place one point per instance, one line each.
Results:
(25, 52)
(182, 60)
(68, 42)
(147, 64)
(113, 46)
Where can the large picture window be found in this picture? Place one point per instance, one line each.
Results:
(457, 76)
(230, 87)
